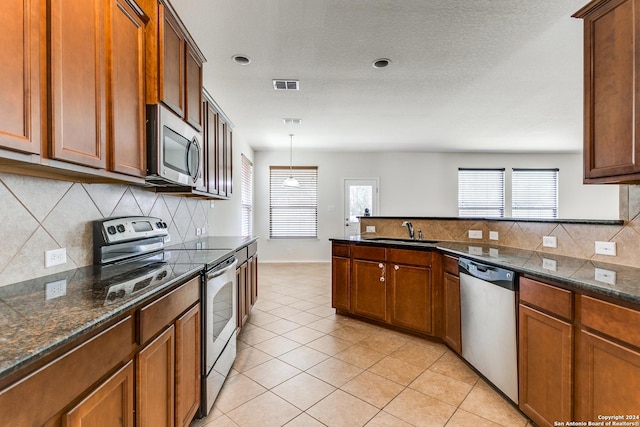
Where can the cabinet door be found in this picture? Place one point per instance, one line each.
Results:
(155, 377)
(78, 86)
(221, 139)
(340, 283)
(228, 158)
(193, 89)
(410, 297)
(20, 86)
(545, 347)
(612, 91)
(253, 279)
(126, 90)
(241, 279)
(171, 73)
(211, 141)
(452, 331)
(187, 366)
(607, 377)
(369, 289)
(111, 404)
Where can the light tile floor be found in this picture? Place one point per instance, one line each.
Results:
(300, 364)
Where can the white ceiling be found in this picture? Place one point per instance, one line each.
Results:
(466, 75)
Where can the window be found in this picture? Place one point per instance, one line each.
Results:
(481, 193)
(534, 193)
(293, 212)
(246, 196)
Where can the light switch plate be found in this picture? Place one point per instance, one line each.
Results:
(550, 241)
(475, 234)
(606, 248)
(493, 235)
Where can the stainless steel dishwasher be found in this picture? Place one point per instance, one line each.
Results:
(488, 312)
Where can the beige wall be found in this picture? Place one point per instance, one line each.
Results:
(39, 214)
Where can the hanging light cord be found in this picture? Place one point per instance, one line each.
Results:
(290, 155)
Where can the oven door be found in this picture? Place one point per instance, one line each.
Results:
(220, 316)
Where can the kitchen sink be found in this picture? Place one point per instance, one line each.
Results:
(394, 240)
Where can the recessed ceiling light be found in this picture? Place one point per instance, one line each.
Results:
(381, 63)
(241, 59)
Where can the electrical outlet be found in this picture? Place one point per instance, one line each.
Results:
(550, 241)
(493, 235)
(198, 231)
(371, 228)
(55, 257)
(494, 253)
(605, 276)
(606, 248)
(475, 234)
(55, 289)
(549, 264)
(204, 231)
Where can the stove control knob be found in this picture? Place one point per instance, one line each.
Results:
(159, 224)
(120, 228)
(164, 225)
(111, 296)
(111, 229)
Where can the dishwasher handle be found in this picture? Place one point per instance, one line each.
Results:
(488, 273)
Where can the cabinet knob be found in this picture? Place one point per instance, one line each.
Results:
(395, 267)
(382, 279)
(381, 265)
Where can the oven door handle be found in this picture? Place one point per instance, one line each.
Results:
(218, 273)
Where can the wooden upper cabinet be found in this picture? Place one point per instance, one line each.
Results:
(126, 44)
(211, 149)
(611, 91)
(172, 67)
(20, 85)
(78, 83)
(193, 89)
(221, 137)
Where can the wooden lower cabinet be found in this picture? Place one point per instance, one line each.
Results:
(111, 404)
(410, 297)
(341, 283)
(369, 290)
(187, 366)
(253, 264)
(607, 378)
(155, 393)
(545, 368)
(452, 330)
(241, 284)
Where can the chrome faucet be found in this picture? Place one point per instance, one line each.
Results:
(409, 229)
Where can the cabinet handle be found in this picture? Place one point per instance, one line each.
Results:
(382, 279)
(395, 267)
(381, 265)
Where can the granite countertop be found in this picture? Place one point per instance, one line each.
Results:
(33, 324)
(614, 281)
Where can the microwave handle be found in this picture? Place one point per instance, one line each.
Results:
(197, 171)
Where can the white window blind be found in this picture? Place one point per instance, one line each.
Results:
(246, 196)
(534, 193)
(481, 193)
(293, 212)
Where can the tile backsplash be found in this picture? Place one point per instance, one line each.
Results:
(38, 214)
(574, 240)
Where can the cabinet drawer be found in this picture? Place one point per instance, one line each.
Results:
(547, 297)
(410, 257)
(373, 253)
(252, 249)
(67, 377)
(611, 319)
(340, 249)
(157, 315)
(450, 265)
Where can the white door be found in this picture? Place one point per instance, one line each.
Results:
(360, 199)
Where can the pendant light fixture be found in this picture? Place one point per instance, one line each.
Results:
(291, 181)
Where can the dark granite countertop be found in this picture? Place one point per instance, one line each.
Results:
(614, 281)
(33, 324)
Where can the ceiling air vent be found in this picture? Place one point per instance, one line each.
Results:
(286, 84)
(292, 121)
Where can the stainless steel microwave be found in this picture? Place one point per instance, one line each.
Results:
(175, 154)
